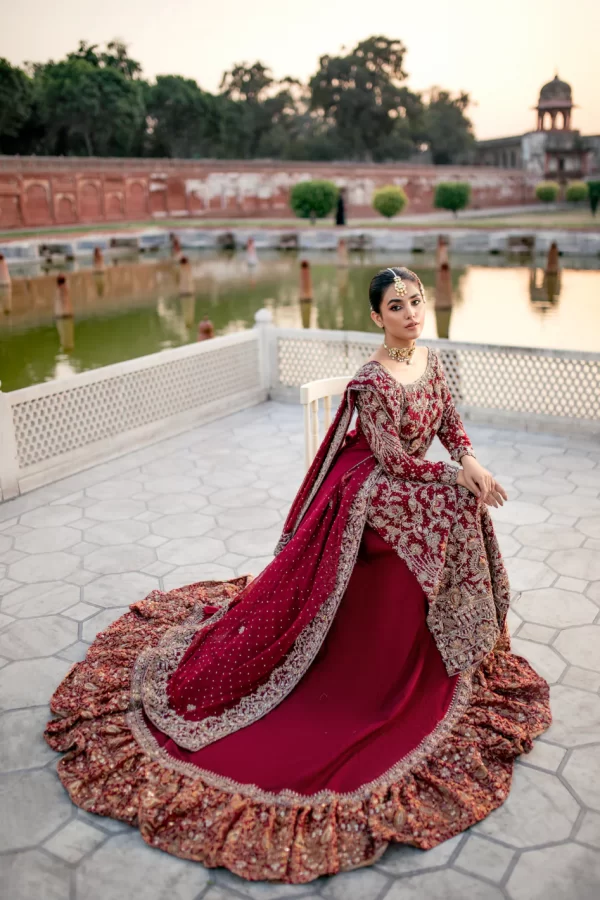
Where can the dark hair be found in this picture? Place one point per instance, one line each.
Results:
(384, 278)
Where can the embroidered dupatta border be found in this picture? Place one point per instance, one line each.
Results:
(286, 798)
(154, 666)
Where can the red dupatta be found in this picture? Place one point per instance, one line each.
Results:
(207, 679)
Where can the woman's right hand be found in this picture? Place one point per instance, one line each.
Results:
(494, 497)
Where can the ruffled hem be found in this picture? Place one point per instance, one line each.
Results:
(455, 781)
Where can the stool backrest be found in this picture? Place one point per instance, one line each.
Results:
(310, 394)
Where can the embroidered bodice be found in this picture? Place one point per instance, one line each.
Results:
(400, 421)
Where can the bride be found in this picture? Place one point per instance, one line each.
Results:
(359, 691)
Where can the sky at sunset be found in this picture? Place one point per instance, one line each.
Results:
(501, 53)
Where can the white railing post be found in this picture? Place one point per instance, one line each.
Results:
(9, 463)
(263, 319)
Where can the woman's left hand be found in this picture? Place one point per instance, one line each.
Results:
(482, 483)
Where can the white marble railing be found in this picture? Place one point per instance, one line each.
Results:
(51, 430)
(524, 387)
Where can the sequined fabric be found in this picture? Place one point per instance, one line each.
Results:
(458, 775)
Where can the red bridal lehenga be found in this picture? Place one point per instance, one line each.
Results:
(359, 691)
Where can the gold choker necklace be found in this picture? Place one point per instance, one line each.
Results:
(401, 354)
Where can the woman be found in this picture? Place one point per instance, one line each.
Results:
(359, 691)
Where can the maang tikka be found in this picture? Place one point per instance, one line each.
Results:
(399, 285)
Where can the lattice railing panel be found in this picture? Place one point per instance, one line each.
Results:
(549, 383)
(526, 382)
(56, 423)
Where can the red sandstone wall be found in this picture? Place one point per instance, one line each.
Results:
(46, 191)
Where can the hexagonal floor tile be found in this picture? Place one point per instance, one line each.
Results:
(124, 558)
(555, 873)
(186, 551)
(518, 513)
(40, 599)
(237, 498)
(34, 874)
(22, 745)
(124, 531)
(34, 804)
(539, 809)
(183, 525)
(548, 537)
(555, 608)
(582, 772)
(260, 542)
(113, 510)
(43, 567)
(173, 504)
(526, 574)
(574, 505)
(542, 658)
(249, 519)
(113, 489)
(47, 540)
(442, 885)
(576, 716)
(119, 590)
(29, 638)
(172, 484)
(30, 682)
(51, 516)
(578, 563)
(399, 859)
(581, 646)
(117, 869)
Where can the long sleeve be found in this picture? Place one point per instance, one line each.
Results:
(452, 432)
(387, 448)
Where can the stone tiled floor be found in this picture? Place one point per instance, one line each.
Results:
(211, 503)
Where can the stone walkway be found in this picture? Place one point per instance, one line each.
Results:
(211, 503)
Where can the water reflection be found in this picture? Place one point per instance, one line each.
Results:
(138, 306)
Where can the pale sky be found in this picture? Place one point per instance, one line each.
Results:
(501, 52)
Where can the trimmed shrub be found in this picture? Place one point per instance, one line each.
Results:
(389, 201)
(576, 192)
(547, 191)
(313, 199)
(452, 195)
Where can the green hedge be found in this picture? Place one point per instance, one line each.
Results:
(452, 195)
(313, 199)
(576, 192)
(389, 201)
(547, 191)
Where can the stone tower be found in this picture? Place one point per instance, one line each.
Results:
(555, 106)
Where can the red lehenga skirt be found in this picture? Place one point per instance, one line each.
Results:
(376, 743)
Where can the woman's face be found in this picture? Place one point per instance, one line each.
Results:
(402, 316)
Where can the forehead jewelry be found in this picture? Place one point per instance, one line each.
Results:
(399, 285)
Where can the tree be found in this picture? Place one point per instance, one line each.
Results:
(576, 192)
(16, 98)
(594, 195)
(362, 95)
(88, 109)
(547, 191)
(313, 199)
(389, 201)
(452, 195)
(448, 131)
(181, 118)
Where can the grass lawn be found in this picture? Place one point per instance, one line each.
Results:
(577, 219)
